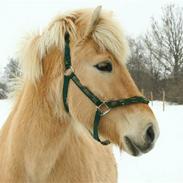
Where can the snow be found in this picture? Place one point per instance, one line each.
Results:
(163, 164)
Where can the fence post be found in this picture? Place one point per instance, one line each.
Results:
(163, 100)
(152, 98)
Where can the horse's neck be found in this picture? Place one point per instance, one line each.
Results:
(34, 114)
(38, 136)
(36, 145)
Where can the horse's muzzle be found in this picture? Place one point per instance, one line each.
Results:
(148, 144)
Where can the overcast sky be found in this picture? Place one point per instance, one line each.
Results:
(17, 17)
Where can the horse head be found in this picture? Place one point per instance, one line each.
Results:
(97, 52)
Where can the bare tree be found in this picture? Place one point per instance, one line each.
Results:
(138, 65)
(165, 41)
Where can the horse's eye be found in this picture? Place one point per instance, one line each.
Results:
(104, 66)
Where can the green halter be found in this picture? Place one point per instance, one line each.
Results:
(102, 107)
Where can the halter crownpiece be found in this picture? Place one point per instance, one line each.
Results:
(102, 107)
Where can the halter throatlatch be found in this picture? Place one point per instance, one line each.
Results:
(102, 107)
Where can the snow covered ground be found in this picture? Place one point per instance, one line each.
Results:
(164, 164)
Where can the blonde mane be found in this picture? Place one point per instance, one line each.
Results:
(106, 33)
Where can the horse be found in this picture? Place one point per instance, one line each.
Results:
(76, 100)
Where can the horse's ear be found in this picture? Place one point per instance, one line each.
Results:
(93, 21)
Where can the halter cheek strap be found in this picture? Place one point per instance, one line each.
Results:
(102, 107)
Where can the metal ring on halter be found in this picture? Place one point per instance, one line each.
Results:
(103, 108)
(69, 71)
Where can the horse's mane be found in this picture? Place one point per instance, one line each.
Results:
(106, 33)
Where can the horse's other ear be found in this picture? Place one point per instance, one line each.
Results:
(93, 21)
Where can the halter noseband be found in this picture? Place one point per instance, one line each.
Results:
(102, 107)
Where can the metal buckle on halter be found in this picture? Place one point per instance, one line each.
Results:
(69, 71)
(103, 108)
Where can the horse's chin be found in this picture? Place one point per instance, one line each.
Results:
(133, 149)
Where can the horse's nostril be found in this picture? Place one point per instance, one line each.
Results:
(150, 135)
